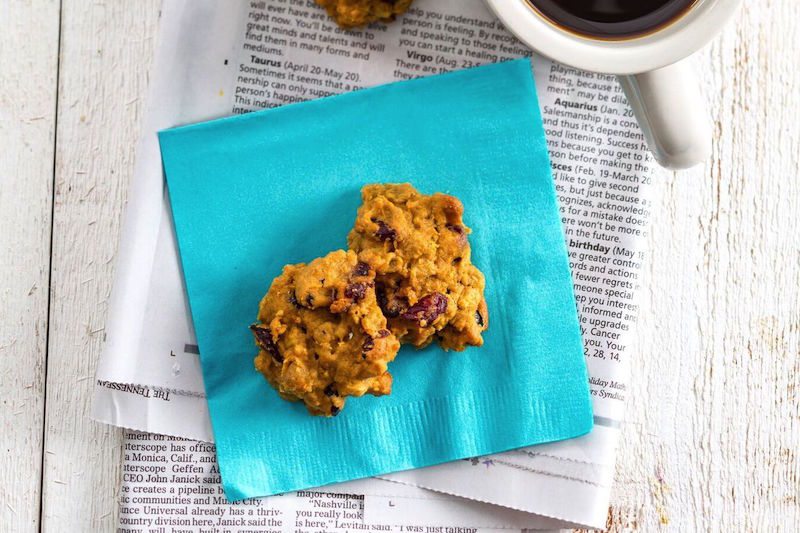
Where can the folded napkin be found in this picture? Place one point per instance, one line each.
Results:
(252, 193)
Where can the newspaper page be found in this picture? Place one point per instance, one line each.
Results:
(171, 484)
(221, 58)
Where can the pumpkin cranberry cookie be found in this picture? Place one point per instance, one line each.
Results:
(322, 336)
(426, 284)
(352, 13)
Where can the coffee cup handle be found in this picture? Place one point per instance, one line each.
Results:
(672, 114)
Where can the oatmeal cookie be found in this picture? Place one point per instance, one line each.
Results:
(426, 284)
(352, 13)
(321, 335)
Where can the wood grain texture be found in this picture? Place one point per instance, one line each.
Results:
(713, 431)
(713, 436)
(28, 61)
(106, 50)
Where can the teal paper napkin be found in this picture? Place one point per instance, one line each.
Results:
(252, 193)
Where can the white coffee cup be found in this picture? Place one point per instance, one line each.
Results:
(659, 84)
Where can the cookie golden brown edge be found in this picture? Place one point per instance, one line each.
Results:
(321, 335)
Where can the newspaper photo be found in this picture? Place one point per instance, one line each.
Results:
(218, 58)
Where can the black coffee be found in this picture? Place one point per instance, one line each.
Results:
(612, 19)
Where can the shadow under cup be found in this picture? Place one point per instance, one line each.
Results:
(611, 19)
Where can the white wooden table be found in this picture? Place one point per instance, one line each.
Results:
(712, 440)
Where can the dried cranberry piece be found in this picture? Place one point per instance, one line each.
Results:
(293, 300)
(264, 341)
(460, 231)
(356, 291)
(330, 390)
(383, 333)
(385, 232)
(427, 309)
(369, 343)
(479, 319)
(310, 301)
(361, 269)
(334, 410)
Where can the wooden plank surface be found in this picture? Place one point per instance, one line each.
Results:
(28, 77)
(106, 50)
(713, 431)
(713, 439)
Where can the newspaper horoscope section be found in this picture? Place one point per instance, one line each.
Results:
(256, 54)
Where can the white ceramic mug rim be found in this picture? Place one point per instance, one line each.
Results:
(630, 56)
